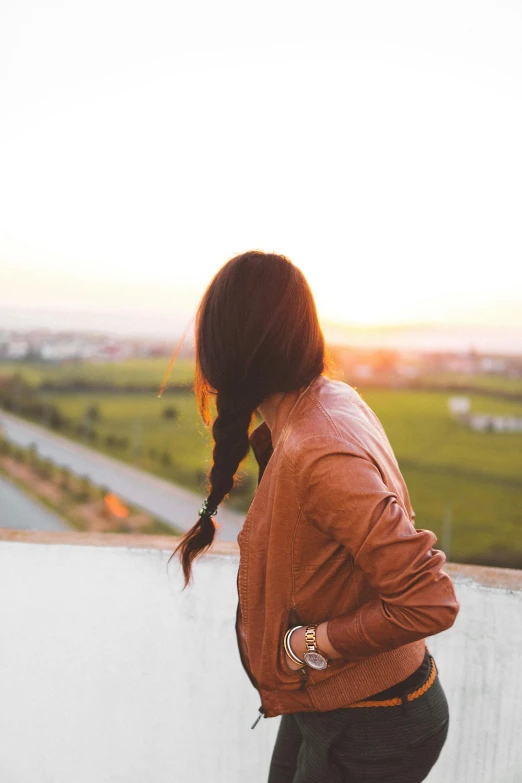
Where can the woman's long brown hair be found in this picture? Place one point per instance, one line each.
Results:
(257, 333)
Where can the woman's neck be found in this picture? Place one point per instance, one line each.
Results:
(268, 408)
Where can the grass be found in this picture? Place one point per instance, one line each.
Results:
(150, 371)
(479, 381)
(486, 516)
(476, 476)
(421, 431)
(131, 371)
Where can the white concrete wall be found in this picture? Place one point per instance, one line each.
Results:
(110, 674)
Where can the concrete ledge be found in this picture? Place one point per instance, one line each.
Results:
(484, 576)
(125, 540)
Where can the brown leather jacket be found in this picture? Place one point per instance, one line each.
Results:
(329, 535)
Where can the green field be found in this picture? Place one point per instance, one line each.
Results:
(131, 371)
(479, 381)
(471, 479)
(421, 431)
(151, 371)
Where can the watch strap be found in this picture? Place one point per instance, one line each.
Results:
(310, 638)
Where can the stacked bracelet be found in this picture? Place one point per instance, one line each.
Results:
(288, 649)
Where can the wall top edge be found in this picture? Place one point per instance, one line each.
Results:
(486, 576)
(124, 540)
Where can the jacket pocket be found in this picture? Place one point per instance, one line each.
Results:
(243, 655)
(284, 677)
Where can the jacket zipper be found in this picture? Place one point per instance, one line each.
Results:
(261, 715)
(303, 672)
(262, 710)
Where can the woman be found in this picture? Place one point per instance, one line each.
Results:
(337, 589)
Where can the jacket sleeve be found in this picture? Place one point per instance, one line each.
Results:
(340, 489)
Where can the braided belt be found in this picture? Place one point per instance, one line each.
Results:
(397, 701)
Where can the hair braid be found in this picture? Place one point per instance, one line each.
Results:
(231, 445)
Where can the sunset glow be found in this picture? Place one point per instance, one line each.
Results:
(145, 144)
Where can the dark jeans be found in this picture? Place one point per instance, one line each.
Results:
(396, 744)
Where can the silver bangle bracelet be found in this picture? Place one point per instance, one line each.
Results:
(289, 646)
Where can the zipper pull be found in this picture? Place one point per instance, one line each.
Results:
(261, 715)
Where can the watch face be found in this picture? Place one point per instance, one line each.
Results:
(315, 660)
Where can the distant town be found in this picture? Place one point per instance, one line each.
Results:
(44, 345)
(365, 365)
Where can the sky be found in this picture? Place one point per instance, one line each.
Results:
(376, 144)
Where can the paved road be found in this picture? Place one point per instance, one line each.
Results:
(172, 504)
(21, 512)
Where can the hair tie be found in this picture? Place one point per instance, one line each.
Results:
(205, 511)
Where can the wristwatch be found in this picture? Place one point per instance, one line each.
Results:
(313, 656)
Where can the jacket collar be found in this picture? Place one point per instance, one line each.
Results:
(262, 438)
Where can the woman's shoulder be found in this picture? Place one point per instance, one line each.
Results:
(333, 415)
(335, 420)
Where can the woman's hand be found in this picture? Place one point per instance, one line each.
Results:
(298, 645)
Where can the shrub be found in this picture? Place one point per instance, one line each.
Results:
(170, 413)
(65, 478)
(92, 414)
(45, 468)
(32, 454)
(20, 454)
(84, 489)
(55, 418)
(102, 490)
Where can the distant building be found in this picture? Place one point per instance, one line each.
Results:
(60, 351)
(459, 405)
(481, 422)
(484, 422)
(17, 349)
(492, 364)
